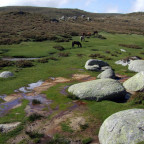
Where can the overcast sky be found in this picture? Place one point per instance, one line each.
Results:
(98, 6)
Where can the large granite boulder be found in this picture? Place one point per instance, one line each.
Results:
(136, 65)
(124, 127)
(101, 89)
(96, 65)
(135, 83)
(6, 74)
(109, 73)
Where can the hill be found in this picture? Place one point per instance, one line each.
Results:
(33, 23)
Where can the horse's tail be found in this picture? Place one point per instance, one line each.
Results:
(80, 44)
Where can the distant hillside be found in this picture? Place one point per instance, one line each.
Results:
(53, 12)
(19, 24)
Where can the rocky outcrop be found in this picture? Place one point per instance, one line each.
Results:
(4, 128)
(6, 74)
(135, 83)
(136, 66)
(109, 73)
(102, 89)
(96, 65)
(124, 127)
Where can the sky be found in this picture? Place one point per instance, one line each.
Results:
(96, 6)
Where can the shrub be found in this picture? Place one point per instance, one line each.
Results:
(6, 63)
(58, 47)
(107, 51)
(53, 58)
(74, 33)
(58, 139)
(108, 58)
(34, 135)
(62, 40)
(63, 54)
(43, 60)
(84, 126)
(87, 140)
(114, 55)
(94, 55)
(80, 55)
(35, 101)
(24, 63)
(66, 36)
(130, 46)
(34, 117)
(94, 49)
(73, 97)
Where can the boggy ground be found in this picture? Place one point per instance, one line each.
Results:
(62, 113)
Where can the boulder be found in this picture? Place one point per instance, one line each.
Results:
(136, 65)
(4, 128)
(101, 89)
(126, 61)
(135, 83)
(124, 127)
(6, 74)
(109, 73)
(96, 65)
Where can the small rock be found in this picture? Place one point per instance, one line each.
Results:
(4, 128)
(6, 74)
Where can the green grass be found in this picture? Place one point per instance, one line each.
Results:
(66, 128)
(65, 66)
(15, 115)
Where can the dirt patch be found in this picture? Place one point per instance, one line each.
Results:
(82, 77)
(122, 78)
(75, 122)
(12, 97)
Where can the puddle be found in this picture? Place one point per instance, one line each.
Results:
(2, 96)
(19, 59)
(30, 87)
(5, 107)
(63, 91)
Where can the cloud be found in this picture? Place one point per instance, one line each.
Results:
(41, 3)
(138, 6)
(112, 10)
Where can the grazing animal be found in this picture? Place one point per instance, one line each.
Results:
(76, 43)
(95, 32)
(83, 34)
(82, 38)
(88, 34)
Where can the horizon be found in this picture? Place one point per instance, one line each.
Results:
(93, 6)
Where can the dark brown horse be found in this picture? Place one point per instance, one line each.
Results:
(95, 32)
(76, 43)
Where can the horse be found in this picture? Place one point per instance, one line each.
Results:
(88, 34)
(76, 43)
(95, 32)
(82, 38)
